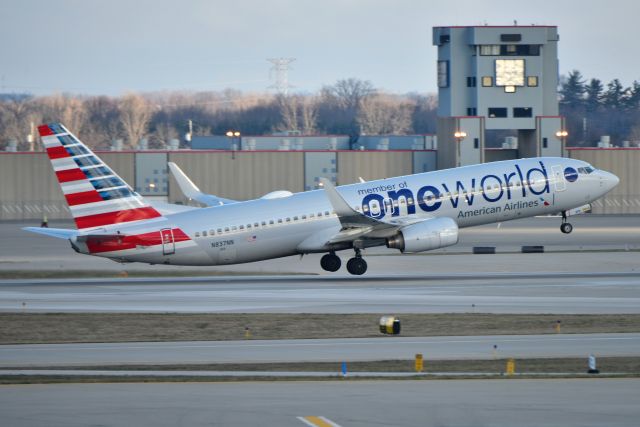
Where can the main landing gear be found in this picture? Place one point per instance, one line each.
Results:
(330, 262)
(565, 227)
(356, 265)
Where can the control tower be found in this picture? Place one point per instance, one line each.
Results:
(497, 78)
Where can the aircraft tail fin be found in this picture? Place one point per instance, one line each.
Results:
(96, 195)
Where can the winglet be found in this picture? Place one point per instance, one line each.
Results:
(340, 205)
(186, 185)
(191, 191)
(348, 216)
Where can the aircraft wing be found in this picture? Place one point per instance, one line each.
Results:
(356, 225)
(191, 191)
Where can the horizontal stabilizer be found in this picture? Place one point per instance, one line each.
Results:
(60, 233)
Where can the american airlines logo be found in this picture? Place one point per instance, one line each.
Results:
(491, 187)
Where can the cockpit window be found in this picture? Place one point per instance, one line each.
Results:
(586, 170)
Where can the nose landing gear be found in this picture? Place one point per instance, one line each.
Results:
(565, 227)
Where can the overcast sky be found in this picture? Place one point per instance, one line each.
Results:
(114, 46)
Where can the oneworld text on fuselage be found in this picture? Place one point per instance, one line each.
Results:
(493, 188)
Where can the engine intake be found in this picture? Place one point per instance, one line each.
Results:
(425, 236)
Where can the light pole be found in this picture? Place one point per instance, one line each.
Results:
(562, 136)
(459, 135)
(235, 136)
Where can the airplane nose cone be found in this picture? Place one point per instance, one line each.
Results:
(610, 179)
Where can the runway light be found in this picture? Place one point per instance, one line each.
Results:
(419, 363)
(511, 366)
(592, 365)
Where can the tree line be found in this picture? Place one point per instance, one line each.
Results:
(593, 110)
(350, 106)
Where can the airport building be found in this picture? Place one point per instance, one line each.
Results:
(29, 189)
(497, 78)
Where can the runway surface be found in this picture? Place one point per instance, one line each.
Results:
(320, 350)
(437, 293)
(23, 250)
(431, 403)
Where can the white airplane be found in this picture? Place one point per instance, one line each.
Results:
(411, 213)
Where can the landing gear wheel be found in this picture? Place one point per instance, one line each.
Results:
(356, 266)
(330, 262)
(566, 228)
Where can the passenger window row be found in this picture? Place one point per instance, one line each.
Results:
(256, 225)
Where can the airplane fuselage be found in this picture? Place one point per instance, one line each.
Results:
(268, 228)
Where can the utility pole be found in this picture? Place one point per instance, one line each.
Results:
(281, 70)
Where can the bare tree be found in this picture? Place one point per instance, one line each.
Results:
(383, 114)
(298, 113)
(135, 114)
(16, 120)
(163, 134)
(309, 115)
(288, 106)
(68, 110)
(349, 93)
(103, 122)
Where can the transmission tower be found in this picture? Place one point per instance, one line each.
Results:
(281, 70)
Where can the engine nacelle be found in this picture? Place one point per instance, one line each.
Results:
(425, 236)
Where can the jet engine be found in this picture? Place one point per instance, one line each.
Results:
(425, 236)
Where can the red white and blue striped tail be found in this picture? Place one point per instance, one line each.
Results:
(96, 195)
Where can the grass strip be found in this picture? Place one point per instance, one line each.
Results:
(525, 368)
(626, 365)
(47, 328)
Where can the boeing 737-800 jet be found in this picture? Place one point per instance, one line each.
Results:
(411, 213)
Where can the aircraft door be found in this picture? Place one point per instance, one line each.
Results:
(168, 243)
(227, 255)
(558, 178)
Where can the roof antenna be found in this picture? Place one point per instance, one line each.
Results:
(515, 22)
